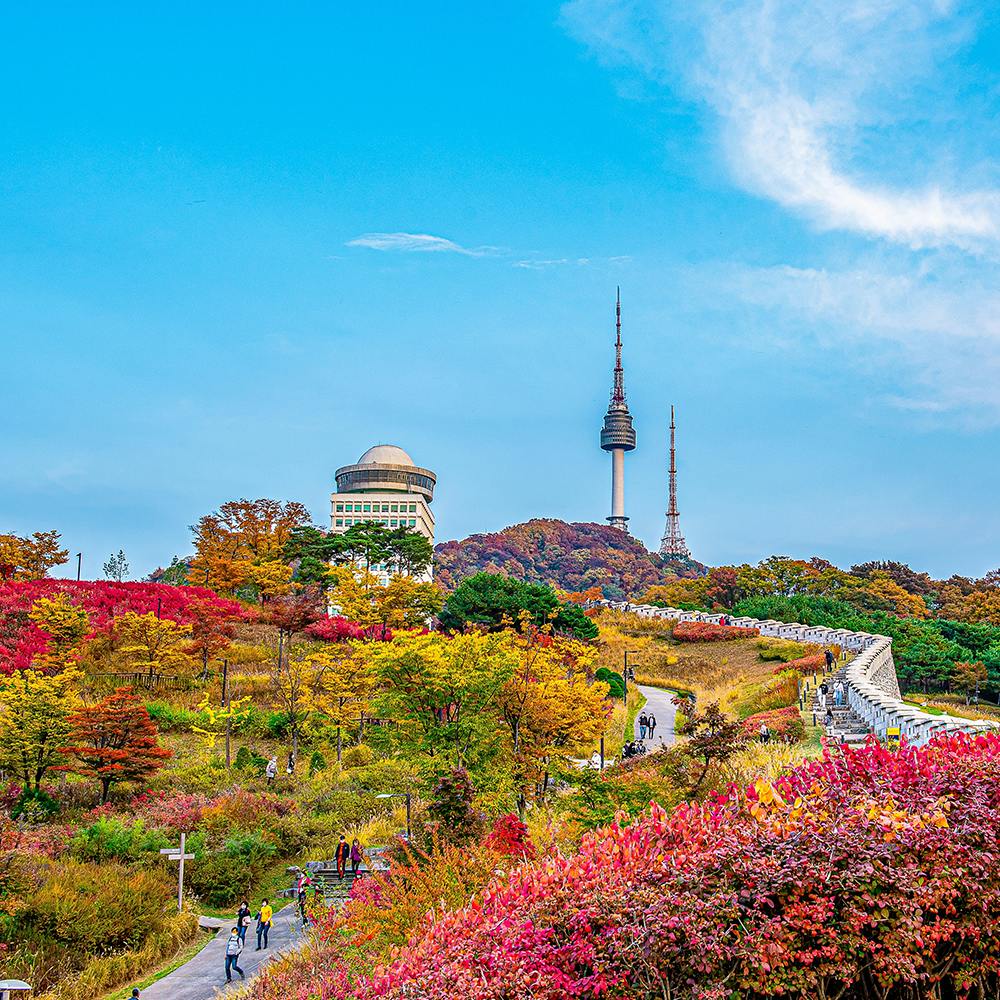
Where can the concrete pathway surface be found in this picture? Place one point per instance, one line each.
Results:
(658, 701)
(205, 974)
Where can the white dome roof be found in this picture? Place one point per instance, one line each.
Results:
(385, 454)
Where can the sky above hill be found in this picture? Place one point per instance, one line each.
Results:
(241, 246)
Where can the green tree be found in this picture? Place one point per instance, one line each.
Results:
(116, 567)
(498, 601)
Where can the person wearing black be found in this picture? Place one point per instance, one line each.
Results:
(829, 659)
(343, 856)
(243, 920)
(651, 723)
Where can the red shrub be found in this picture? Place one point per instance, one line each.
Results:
(709, 632)
(784, 723)
(815, 664)
(509, 837)
(870, 871)
(338, 629)
(103, 600)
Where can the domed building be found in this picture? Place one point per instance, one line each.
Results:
(387, 486)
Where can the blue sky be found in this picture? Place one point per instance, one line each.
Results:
(239, 245)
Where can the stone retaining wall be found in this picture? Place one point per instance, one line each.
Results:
(873, 688)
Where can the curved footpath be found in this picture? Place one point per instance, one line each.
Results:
(205, 974)
(659, 702)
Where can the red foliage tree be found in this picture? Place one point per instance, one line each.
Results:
(213, 627)
(115, 740)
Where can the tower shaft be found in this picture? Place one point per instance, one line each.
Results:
(618, 435)
(672, 544)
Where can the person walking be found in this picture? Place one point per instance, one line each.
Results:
(342, 856)
(135, 993)
(291, 762)
(643, 721)
(271, 771)
(838, 692)
(824, 690)
(302, 904)
(356, 856)
(264, 915)
(243, 920)
(828, 722)
(233, 948)
(829, 660)
(765, 733)
(651, 724)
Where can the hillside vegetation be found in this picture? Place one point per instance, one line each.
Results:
(571, 557)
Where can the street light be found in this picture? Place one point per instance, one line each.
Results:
(399, 795)
(79, 567)
(8, 986)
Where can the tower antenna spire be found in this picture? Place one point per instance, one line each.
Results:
(673, 545)
(618, 435)
(618, 392)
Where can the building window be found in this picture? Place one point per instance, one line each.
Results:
(385, 508)
(413, 508)
(392, 523)
(340, 508)
(395, 508)
(340, 522)
(368, 508)
(413, 522)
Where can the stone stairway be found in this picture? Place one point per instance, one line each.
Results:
(848, 727)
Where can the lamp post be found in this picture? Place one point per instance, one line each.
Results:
(174, 855)
(400, 795)
(79, 565)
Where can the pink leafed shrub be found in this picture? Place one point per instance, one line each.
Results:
(784, 723)
(710, 632)
(867, 873)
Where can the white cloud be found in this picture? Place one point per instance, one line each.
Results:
(894, 327)
(806, 91)
(417, 243)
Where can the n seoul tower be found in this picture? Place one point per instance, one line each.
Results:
(617, 435)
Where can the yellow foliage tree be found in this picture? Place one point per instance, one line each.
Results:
(403, 603)
(34, 722)
(65, 623)
(549, 706)
(152, 644)
(241, 545)
(345, 693)
(30, 558)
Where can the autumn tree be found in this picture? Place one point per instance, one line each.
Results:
(402, 603)
(152, 644)
(549, 707)
(34, 723)
(240, 548)
(968, 677)
(441, 691)
(212, 630)
(291, 613)
(64, 623)
(712, 737)
(114, 741)
(300, 687)
(346, 689)
(30, 558)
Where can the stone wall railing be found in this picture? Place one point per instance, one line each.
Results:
(873, 688)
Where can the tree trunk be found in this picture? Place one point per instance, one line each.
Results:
(340, 746)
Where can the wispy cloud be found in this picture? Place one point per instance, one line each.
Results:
(900, 328)
(418, 243)
(799, 87)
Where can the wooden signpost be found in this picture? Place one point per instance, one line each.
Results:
(174, 855)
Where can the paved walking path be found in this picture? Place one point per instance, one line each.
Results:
(658, 701)
(205, 974)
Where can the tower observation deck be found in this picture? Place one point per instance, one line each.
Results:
(618, 434)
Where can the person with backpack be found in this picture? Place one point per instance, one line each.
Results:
(271, 771)
(765, 733)
(264, 915)
(357, 855)
(342, 856)
(824, 690)
(233, 948)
